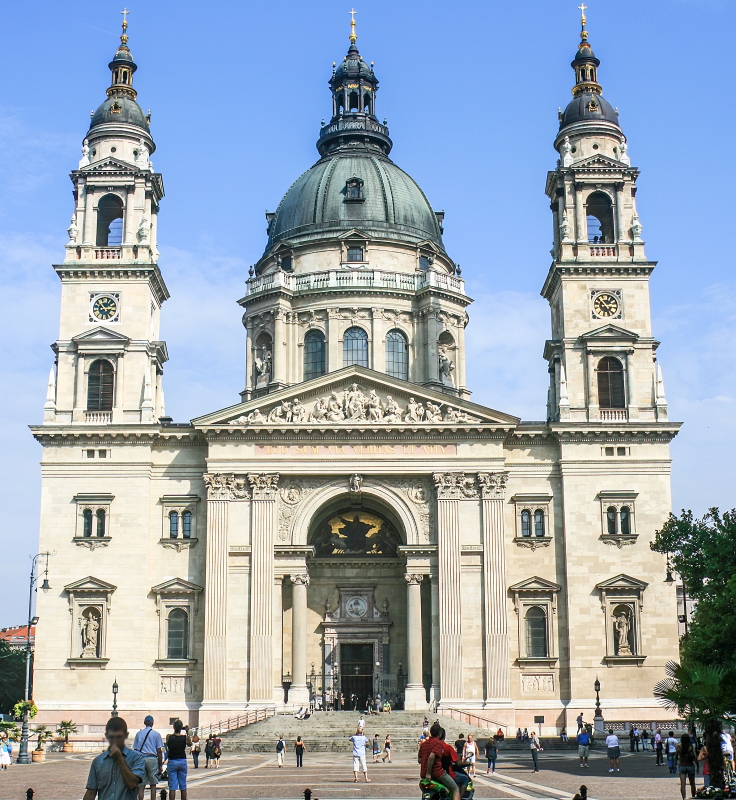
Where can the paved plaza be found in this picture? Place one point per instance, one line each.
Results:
(329, 776)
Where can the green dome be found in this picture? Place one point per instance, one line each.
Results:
(392, 205)
(129, 112)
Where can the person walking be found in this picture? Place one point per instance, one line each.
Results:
(195, 750)
(359, 742)
(631, 740)
(376, 749)
(150, 745)
(470, 753)
(209, 750)
(361, 723)
(687, 757)
(659, 748)
(459, 743)
(614, 751)
(581, 724)
(645, 740)
(671, 747)
(342, 702)
(280, 747)
(387, 748)
(176, 746)
(6, 751)
(727, 748)
(535, 746)
(217, 751)
(118, 771)
(491, 756)
(583, 747)
(299, 749)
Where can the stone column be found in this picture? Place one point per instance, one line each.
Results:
(451, 487)
(495, 621)
(278, 639)
(414, 696)
(333, 340)
(279, 350)
(593, 414)
(620, 224)
(263, 527)
(298, 692)
(581, 225)
(434, 692)
(432, 346)
(631, 386)
(220, 489)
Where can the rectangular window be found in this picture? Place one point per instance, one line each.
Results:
(102, 453)
(620, 451)
(609, 451)
(355, 253)
(90, 453)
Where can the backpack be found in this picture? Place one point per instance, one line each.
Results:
(280, 746)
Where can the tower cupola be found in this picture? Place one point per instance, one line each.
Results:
(354, 123)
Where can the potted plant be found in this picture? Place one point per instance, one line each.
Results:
(43, 734)
(64, 728)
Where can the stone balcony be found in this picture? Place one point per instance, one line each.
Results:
(355, 279)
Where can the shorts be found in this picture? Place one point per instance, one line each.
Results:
(359, 763)
(151, 777)
(470, 758)
(177, 774)
(683, 770)
(447, 781)
(614, 752)
(583, 750)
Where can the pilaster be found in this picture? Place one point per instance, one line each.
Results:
(414, 696)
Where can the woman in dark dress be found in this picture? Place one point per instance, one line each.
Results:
(299, 748)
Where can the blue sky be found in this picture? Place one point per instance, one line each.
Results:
(470, 90)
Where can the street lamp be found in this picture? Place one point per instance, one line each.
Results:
(114, 698)
(598, 717)
(23, 757)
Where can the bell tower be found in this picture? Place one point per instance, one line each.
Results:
(109, 358)
(602, 356)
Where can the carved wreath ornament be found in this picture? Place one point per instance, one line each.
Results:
(355, 406)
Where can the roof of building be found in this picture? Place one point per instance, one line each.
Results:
(16, 636)
(588, 106)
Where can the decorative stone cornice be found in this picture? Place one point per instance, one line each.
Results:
(264, 485)
(493, 485)
(225, 487)
(413, 579)
(454, 486)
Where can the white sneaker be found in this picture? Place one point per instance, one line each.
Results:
(610, 770)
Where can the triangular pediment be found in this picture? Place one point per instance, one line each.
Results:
(599, 161)
(109, 164)
(177, 586)
(535, 584)
(610, 332)
(377, 399)
(90, 584)
(354, 233)
(100, 333)
(622, 581)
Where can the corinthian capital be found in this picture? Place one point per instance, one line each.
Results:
(454, 486)
(264, 485)
(413, 579)
(225, 487)
(302, 578)
(492, 485)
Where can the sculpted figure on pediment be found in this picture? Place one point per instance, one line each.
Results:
(320, 411)
(414, 411)
(432, 413)
(355, 402)
(375, 407)
(298, 412)
(334, 409)
(393, 410)
(280, 413)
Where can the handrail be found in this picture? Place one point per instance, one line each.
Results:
(467, 717)
(233, 723)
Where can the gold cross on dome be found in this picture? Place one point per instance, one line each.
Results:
(582, 8)
(125, 13)
(352, 12)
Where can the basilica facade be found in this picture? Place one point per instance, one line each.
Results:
(355, 525)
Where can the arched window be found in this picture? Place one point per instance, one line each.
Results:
(397, 355)
(535, 623)
(367, 103)
(599, 212)
(611, 383)
(354, 101)
(539, 522)
(87, 523)
(173, 524)
(186, 524)
(99, 386)
(110, 221)
(178, 634)
(526, 523)
(100, 522)
(355, 347)
(314, 355)
(611, 521)
(625, 521)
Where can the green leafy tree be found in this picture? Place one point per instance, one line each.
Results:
(703, 553)
(12, 676)
(704, 694)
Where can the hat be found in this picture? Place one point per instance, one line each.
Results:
(148, 720)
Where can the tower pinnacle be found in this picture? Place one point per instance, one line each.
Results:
(353, 34)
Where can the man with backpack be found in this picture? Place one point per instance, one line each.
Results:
(280, 747)
(150, 745)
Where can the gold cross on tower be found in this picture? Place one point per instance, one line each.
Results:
(353, 35)
(582, 8)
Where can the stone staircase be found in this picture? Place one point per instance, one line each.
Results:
(328, 731)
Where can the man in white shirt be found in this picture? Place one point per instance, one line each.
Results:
(614, 751)
(150, 745)
(727, 747)
(361, 724)
(671, 748)
(359, 742)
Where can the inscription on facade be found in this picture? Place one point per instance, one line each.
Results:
(533, 684)
(338, 450)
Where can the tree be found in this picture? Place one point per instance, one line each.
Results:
(703, 553)
(703, 694)
(12, 676)
(64, 728)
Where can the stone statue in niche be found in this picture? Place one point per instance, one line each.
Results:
(263, 370)
(84, 160)
(622, 626)
(356, 482)
(141, 155)
(446, 368)
(144, 231)
(90, 625)
(72, 230)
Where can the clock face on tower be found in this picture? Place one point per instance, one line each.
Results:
(605, 305)
(105, 308)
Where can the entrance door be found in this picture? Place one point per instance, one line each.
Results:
(356, 672)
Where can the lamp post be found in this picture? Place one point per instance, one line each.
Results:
(115, 688)
(23, 757)
(598, 716)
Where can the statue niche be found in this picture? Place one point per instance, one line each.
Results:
(355, 533)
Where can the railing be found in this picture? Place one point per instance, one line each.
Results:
(107, 253)
(472, 719)
(233, 723)
(613, 415)
(357, 279)
(604, 251)
(98, 417)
